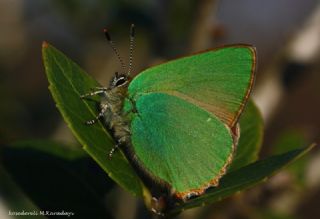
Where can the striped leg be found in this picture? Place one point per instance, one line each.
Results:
(96, 91)
(101, 113)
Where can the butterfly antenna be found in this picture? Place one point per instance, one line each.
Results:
(132, 32)
(114, 48)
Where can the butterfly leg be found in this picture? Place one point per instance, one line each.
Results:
(111, 152)
(96, 91)
(101, 114)
(120, 142)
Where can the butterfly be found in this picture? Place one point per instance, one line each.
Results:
(177, 121)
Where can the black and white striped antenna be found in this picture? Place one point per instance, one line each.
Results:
(114, 48)
(132, 33)
(131, 49)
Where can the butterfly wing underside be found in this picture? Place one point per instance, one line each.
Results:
(219, 80)
(179, 143)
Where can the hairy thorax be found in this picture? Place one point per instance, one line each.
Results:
(114, 117)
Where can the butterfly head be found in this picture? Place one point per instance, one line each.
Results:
(119, 80)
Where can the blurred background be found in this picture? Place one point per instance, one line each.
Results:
(286, 34)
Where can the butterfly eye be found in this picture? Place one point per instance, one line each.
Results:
(120, 81)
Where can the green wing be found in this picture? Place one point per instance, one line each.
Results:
(219, 80)
(180, 143)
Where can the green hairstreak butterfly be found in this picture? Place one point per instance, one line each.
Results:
(177, 122)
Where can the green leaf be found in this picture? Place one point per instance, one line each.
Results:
(244, 178)
(53, 181)
(288, 140)
(251, 129)
(67, 82)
